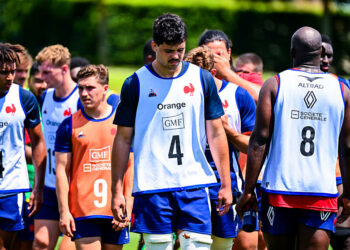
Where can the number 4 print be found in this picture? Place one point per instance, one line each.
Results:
(175, 149)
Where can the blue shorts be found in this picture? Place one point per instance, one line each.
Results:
(28, 232)
(99, 227)
(225, 226)
(49, 209)
(11, 212)
(164, 213)
(280, 220)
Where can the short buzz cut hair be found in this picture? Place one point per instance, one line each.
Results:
(170, 29)
(326, 39)
(57, 55)
(9, 53)
(100, 72)
(202, 57)
(250, 58)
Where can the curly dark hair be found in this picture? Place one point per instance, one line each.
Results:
(9, 53)
(209, 36)
(170, 29)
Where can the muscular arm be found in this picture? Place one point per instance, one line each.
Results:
(344, 158)
(259, 140)
(120, 157)
(219, 150)
(238, 140)
(223, 67)
(39, 162)
(63, 165)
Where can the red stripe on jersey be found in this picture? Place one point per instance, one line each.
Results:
(318, 203)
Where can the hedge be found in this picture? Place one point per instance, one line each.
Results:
(115, 33)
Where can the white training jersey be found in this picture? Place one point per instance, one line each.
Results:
(308, 112)
(13, 167)
(170, 138)
(54, 111)
(229, 103)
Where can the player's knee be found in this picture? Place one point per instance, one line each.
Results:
(190, 240)
(39, 244)
(158, 241)
(221, 243)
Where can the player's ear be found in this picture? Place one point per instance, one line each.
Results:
(154, 46)
(213, 72)
(65, 68)
(105, 87)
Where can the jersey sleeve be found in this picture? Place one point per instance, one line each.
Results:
(246, 107)
(63, 141)
(129, 97)
(31, 108)
(213, 106)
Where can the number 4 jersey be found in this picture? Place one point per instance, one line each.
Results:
(309, 111)
(170, 135)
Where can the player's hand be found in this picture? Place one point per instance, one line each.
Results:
(67, 224)
(224, 200)
(345, 204)
(222, 65)
(243, 201)
(35, 201)
(117, 226)
(119, 208)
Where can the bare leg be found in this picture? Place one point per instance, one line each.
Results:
(46, 233)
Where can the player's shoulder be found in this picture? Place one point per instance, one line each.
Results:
(27, 97)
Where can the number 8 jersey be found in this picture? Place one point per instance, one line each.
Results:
(308, 113)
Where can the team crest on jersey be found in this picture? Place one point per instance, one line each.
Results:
(11, 109)
(152, 93)
(81, 134)
(189, 89)
(67, 112)
(225, 104)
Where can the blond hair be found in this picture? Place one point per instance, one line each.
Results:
(100, 72)
(202, 57)
(57, 55)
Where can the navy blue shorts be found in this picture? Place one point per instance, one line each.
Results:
(224, 226)
(164, 213)
(28, 232)
(11, 212)
(99, 227)
(280, 220)
(49, 209)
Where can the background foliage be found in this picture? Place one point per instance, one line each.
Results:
(114, 32)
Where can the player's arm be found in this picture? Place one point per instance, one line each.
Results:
(259, 140)
(219, 149)
(63, 165)
(223, 67)
(120, 157)
(33, 126)
(39, 162)
(344, 158)
(128, 184)
(238, 140)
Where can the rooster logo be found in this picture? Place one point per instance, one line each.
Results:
(189, 89)
(11, 109)
(225, 104)
(67, 112)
